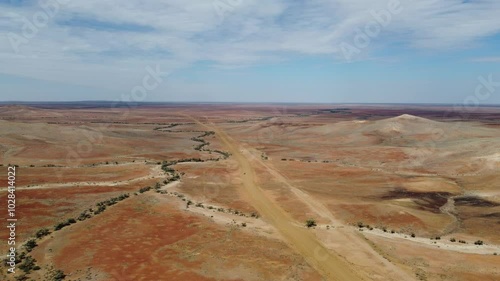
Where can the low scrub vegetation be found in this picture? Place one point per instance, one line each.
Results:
(310, 223)
(62, 225)
(58, 275)
(28, 264)
(30, 245)
(144, 189)
(84, 215)
(42, 233)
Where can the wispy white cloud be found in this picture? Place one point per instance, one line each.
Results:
(101, 43)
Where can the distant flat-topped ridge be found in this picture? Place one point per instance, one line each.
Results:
(18, 109)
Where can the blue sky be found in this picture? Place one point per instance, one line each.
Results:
(426, 51)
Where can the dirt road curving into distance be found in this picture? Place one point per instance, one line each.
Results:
(327, 263)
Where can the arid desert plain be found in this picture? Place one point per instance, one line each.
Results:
(252, 192)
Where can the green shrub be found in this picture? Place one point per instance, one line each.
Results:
(60, 225)
(84, 215)
(42, 232)
(30, 245)
(58, 275)
(100, 209)
(20, 257)
(310, 223)
(28, 264)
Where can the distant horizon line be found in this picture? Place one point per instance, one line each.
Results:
(234, 103)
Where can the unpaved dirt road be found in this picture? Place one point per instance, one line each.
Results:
(329, 264)
(349, 237)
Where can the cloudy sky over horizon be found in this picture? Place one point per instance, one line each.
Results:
(429, 51)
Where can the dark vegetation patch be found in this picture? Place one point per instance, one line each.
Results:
(474, 201)
(336, 110)
(428, 201)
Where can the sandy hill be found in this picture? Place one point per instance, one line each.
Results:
(406, 125)
(403, 130)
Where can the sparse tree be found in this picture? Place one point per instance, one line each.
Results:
(42, 232)
(58, 275)
(310, 223)
(30, 245)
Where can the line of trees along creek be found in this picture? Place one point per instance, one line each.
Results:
(28, 263)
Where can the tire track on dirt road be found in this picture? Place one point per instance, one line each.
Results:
(345, 234)
(328, 264)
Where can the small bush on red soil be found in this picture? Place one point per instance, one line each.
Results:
(58, 275)
(310, 223)
(30, 245)
(28, 264)
(42, 232)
